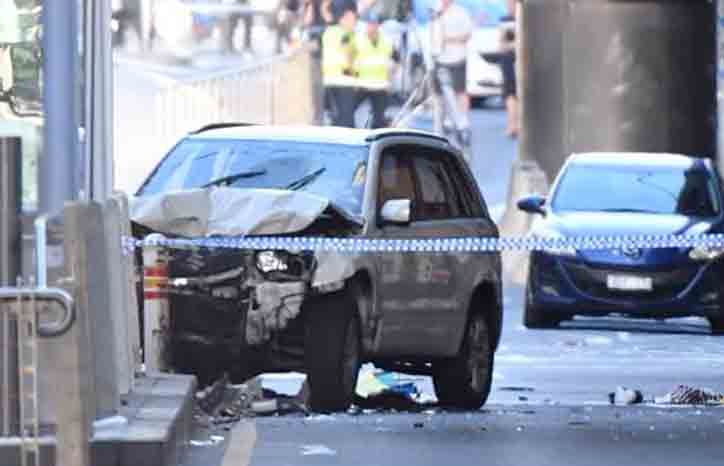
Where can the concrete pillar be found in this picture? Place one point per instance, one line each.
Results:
(604, 75)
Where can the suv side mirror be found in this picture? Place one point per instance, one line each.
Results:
(532, 204)
(396, 211)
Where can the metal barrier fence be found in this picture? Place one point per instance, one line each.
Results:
(278, 90)
(20, 310)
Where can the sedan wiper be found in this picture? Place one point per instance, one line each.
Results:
(629, 209)
(231, 178)
(305, 180)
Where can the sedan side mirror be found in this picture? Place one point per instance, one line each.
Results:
(396, 211)
(532, 204)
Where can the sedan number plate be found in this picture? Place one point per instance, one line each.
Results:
(629, 283)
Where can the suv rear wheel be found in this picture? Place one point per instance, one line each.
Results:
(332, 351)
(464, 381)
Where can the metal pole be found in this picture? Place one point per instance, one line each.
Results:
(10, 198)
(98, 100)
(58, 167)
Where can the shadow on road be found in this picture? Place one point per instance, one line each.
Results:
(691, 326)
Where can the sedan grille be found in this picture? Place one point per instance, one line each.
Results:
(593, 281)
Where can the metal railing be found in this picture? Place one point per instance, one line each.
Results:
(20, 310)
(277, 90)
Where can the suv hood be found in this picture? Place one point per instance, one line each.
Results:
(227, 212)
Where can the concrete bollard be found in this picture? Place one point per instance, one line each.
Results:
(526, 179)
(156, 321)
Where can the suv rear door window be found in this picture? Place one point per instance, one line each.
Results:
(396, 179)
(463, 190)
(433, 183)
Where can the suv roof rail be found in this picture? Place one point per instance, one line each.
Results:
(377, 135)
(222, 125)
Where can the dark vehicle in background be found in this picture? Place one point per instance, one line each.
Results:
(249, 312)
(627, 194)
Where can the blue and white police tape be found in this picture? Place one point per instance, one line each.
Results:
(465, 244)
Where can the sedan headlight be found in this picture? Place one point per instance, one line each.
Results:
(271, 261)
(705, 253)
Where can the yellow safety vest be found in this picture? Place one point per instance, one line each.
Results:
(373, 62)
(336, 57)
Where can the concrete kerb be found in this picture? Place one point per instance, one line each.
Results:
(526, 179)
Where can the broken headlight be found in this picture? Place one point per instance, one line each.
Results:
(272, 261)
(705, 253)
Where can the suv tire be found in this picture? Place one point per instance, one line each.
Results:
(464, 382)
(332, 351)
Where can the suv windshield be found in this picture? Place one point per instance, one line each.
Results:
(333, 171)
(655, 190)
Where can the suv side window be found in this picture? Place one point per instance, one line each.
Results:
(465, 192)
(396, 180)
(435, 200)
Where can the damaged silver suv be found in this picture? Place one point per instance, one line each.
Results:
(325, 313)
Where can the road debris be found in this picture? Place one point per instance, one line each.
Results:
(516, 389)
(625, 396)
(317, 450)
(213, 440)
(685, 395)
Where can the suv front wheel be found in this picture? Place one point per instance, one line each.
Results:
(332, 351)
(464, 381)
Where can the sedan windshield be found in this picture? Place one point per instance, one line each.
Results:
(333, 171)
(655, 190)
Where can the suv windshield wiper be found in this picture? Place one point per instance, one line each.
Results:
(305, 180)
(231, 178)
(628, 209)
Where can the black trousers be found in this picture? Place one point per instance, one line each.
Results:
(378, 100)
(343, 102)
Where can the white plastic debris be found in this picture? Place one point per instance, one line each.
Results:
(213, 440)
(113, 422)
(317, 450)
(625, 396)
(264, 406)
(597, 340)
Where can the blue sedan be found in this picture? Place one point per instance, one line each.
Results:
(627, 194)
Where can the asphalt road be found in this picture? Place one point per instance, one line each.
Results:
(548, 407)
(549, 404)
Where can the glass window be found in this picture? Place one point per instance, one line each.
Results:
(457, 186)
(434, 202)
(334, 171)
(396, 181)
(656, 190)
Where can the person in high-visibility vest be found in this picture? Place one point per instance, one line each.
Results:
(339, 48)
(375, 57)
